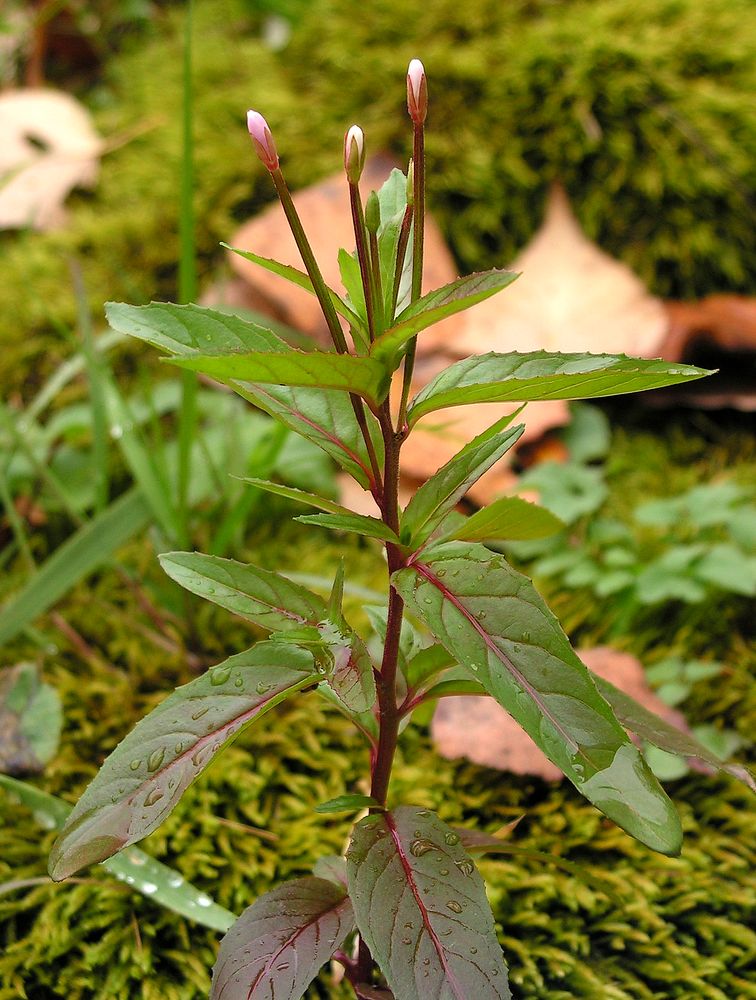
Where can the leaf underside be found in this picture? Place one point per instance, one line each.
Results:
(662, 734)
(278, 945)
(144, 777)
(323, 416)
(495, 624)
(421, 906)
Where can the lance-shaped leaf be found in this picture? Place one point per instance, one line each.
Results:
(142, 780)
(191, 329)
(300, 496)
(140, 871)
(494, 623)
(358, 524)
(507, 519)
(259, 595)
(443, 491)
(361, 376)
(278, 945)
(323, 416)
(667, 737)
(437, 305)
(420, 904)
(299, 278)
(497, 378)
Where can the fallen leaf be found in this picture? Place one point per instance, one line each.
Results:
(48, 147)
(30, 720)
(570, 296)
(480, 730)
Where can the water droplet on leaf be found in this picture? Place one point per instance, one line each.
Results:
(155, 759)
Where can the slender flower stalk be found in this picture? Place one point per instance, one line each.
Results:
(354, 161)
(265, 147)
(417, 105)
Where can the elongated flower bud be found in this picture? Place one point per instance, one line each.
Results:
(417, 92)
(372, 213)
(354, 153)
(262, 140)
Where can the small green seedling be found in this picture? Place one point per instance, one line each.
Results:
(405, 912)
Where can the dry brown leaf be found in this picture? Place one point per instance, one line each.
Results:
(570, 296)
(325, 214)
(480, 730)
(48, 147)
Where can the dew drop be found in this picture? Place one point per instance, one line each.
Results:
(155, 759)
(282, 967)
(454, 906)
(149, 888)
(203, 900)
(451, 838)
(441, 573)
(179, 747)
(153, 796)
(219, 675)
(426, 961)
(473, 951)
(443, 871)
(262, 687)
(406, 940)
(116, 431)
(465, 866)
(409, 925)
(239, 682)
(420, 847)
(199, 713)
(175, 881)
(134, 764)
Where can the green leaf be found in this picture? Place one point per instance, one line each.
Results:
(494, 623)
(568, 490)
(351, 279)
(31, 718)
(650, 727)
(361, 376)
(299, 496)
(348, 668)
(259, 595)
(443, 491)
(145, 776)
(421, 907)
(497, 378)
(392, 198)
(508, 518)
(324, 417)
(278, 945)
(437, 305)
(143, 873)
(348, 803)
(300, 279)
(90, 547)
(358, 524)
(331, 867)
(190, 329)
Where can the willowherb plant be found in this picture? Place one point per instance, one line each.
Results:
(405, 912)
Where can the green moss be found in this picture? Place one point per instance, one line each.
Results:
(664, 928)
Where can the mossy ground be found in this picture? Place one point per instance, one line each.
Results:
(662, 927)
(646, 107)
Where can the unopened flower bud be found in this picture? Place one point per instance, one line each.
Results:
(262, 140)
(354, 153)
(372, 213)
(417, 92)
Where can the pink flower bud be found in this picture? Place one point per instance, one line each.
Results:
(417, 92)
(354, 153)
(262, 140)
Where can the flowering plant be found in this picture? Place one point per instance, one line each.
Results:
(405, 912)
